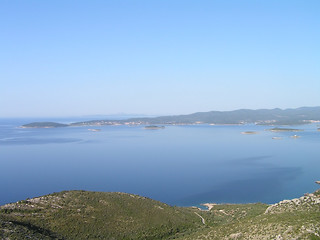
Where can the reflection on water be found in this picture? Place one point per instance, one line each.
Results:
(180, 165)
(27, 141)
(264, 185)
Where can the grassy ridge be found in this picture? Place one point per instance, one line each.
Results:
(98, 215)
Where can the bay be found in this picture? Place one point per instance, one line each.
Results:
(178, 165)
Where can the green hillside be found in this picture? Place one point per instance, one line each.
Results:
(290, 219)
(99, 215)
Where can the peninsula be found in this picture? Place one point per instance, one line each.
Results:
(275, 116)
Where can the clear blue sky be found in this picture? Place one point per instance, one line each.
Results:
(158, 57)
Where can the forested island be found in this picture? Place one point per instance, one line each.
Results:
(276, 116)
(44, 125)
(278, 129)
(120, 216)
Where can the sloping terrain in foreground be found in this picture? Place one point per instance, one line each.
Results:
(99, 215)
(289, 219)
(94, 215)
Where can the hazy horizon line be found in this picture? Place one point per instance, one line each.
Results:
(141, 114)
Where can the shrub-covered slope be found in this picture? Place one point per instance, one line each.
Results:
(98, 215)
(289, 219)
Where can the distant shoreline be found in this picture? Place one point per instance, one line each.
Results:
(269, 117)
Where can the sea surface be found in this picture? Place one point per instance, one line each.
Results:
(178, 165)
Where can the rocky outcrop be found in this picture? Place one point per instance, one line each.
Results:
(309, 202)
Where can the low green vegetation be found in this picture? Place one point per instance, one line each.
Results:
(44, 125)
(278, 129)
(290, 219)
(99, 215)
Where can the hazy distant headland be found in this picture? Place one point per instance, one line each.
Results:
(275, 116)
(44, 125)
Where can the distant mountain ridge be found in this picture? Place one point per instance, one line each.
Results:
(241, 116)
(275, 116)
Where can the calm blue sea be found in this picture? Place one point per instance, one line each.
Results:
(179, 165)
